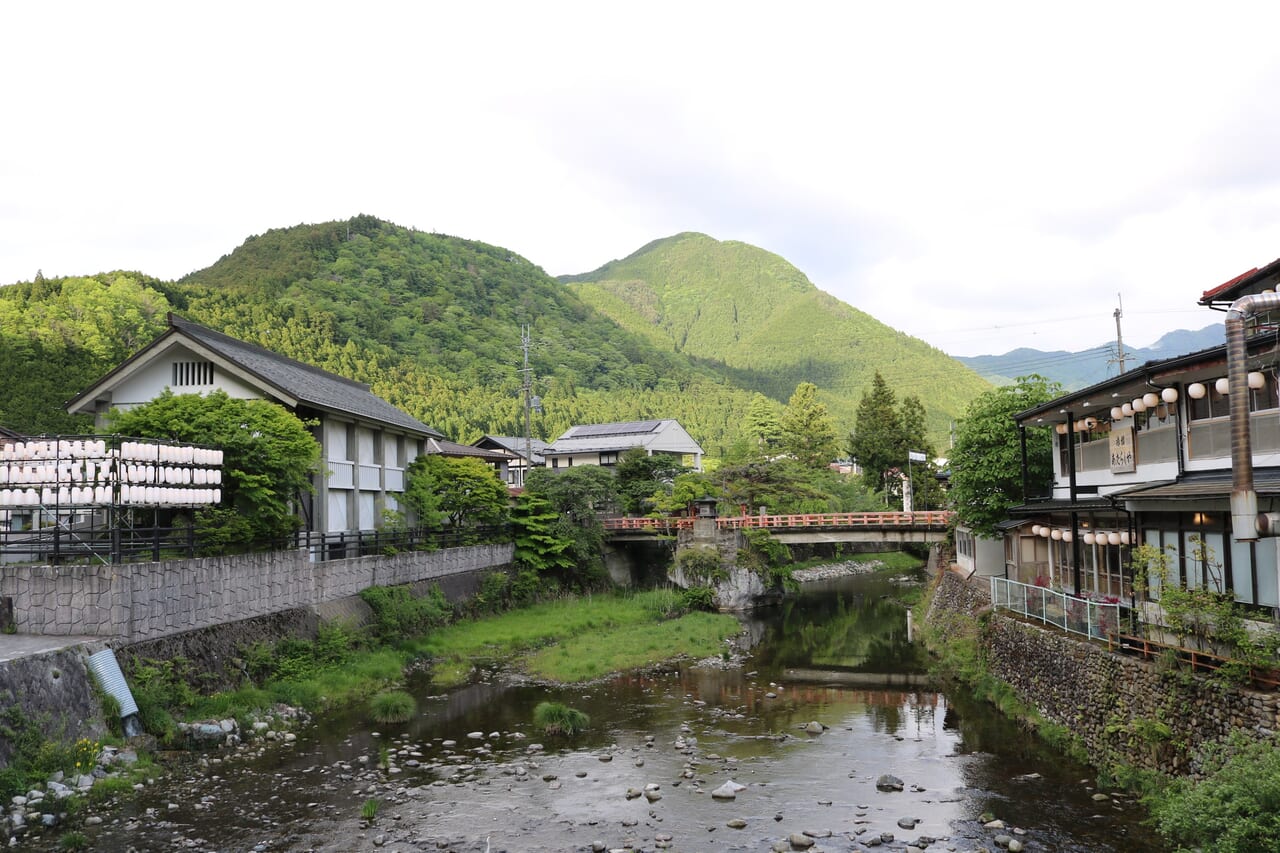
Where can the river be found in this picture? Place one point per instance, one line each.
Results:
(830, 698)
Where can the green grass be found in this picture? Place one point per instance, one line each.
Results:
(557, 719)
(392, 706)
(592, 655)
(597, 618)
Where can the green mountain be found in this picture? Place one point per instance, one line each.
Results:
(433, 324)
(767, 327)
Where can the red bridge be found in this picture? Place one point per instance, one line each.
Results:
(929, 526)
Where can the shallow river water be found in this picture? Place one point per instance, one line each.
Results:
(471, 773)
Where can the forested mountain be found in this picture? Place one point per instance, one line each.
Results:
(433, 324)
(766, 326)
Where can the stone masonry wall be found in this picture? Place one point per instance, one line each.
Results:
(143, 601)
(1122, 708)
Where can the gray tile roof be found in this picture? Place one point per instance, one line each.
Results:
(305, 383)
(516, 445)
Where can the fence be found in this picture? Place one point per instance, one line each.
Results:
(123, 540)
(1098, 619)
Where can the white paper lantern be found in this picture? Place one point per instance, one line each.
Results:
(1150, 399)
(1124, 537)
(1066, 536)
(1055, 534)
(1035, 530)
(1169, 395)
(1113, 538)
(1116, 414)
(1222, 386)
(1088, 537)
(1127, 409)
(1195, 391)
(1257, 380)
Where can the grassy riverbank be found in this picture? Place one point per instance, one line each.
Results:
(567, 640)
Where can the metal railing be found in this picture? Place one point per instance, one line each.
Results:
(930, 519)
(1097, 619)
(101, 542)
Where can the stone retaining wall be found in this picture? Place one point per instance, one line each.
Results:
(1121, 707)
(143, 601)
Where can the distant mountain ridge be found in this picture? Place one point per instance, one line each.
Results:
(1087, 367)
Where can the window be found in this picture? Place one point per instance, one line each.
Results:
(186, 373)
(609, 458)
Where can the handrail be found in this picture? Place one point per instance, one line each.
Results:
(935, 519)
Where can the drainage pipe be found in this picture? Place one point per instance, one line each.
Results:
(107, 670)
(1246, 524)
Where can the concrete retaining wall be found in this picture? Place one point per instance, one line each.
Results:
(1122, 708)
(145, 601)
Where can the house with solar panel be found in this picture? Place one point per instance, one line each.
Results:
(366, 443)
(603, 444)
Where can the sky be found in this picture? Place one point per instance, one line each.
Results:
(983, 176)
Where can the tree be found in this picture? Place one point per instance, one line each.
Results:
(762, 422)
(538, 547)
(269, 455)
(877, 442)
(641, 476)
(466, 492)
(577, 495)
(986, 462)
(924, 485)
(807, 433)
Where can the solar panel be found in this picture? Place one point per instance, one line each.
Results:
(628, 428)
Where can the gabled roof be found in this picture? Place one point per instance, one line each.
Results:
(592, 438)
(290, 382)
(443, 447)
(514, 444)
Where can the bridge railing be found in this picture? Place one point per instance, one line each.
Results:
(934, 519)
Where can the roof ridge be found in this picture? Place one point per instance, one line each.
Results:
(196, 330)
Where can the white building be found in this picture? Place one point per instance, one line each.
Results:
(366, 443)
(1147, 458)
(602, 444)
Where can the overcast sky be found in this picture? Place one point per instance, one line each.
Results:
(982, 176)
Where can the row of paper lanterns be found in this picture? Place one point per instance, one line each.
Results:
(102, 495)
(1256, 381)
(105, 472)
(94, 449)
(1089, 537)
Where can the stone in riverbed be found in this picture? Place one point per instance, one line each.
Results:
(888, 782)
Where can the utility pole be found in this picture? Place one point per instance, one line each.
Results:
(526, 386)
(1120, 357)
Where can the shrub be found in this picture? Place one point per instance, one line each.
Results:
(1233, 809)
(399, 615)
(699, 598)
(369, 810)
(73, 841)
(557, 719)
(392, 706)
(701, 564)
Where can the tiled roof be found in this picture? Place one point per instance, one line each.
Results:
(452, 448)
(306, 383)
(1228, 290)
(516, 445)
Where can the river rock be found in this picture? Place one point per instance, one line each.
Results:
(908, 822)
(888, 782)
(728, 791)
(799, 841)
(814, 727)
(736, 823)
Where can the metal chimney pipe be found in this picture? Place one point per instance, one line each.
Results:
(1244, 500)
